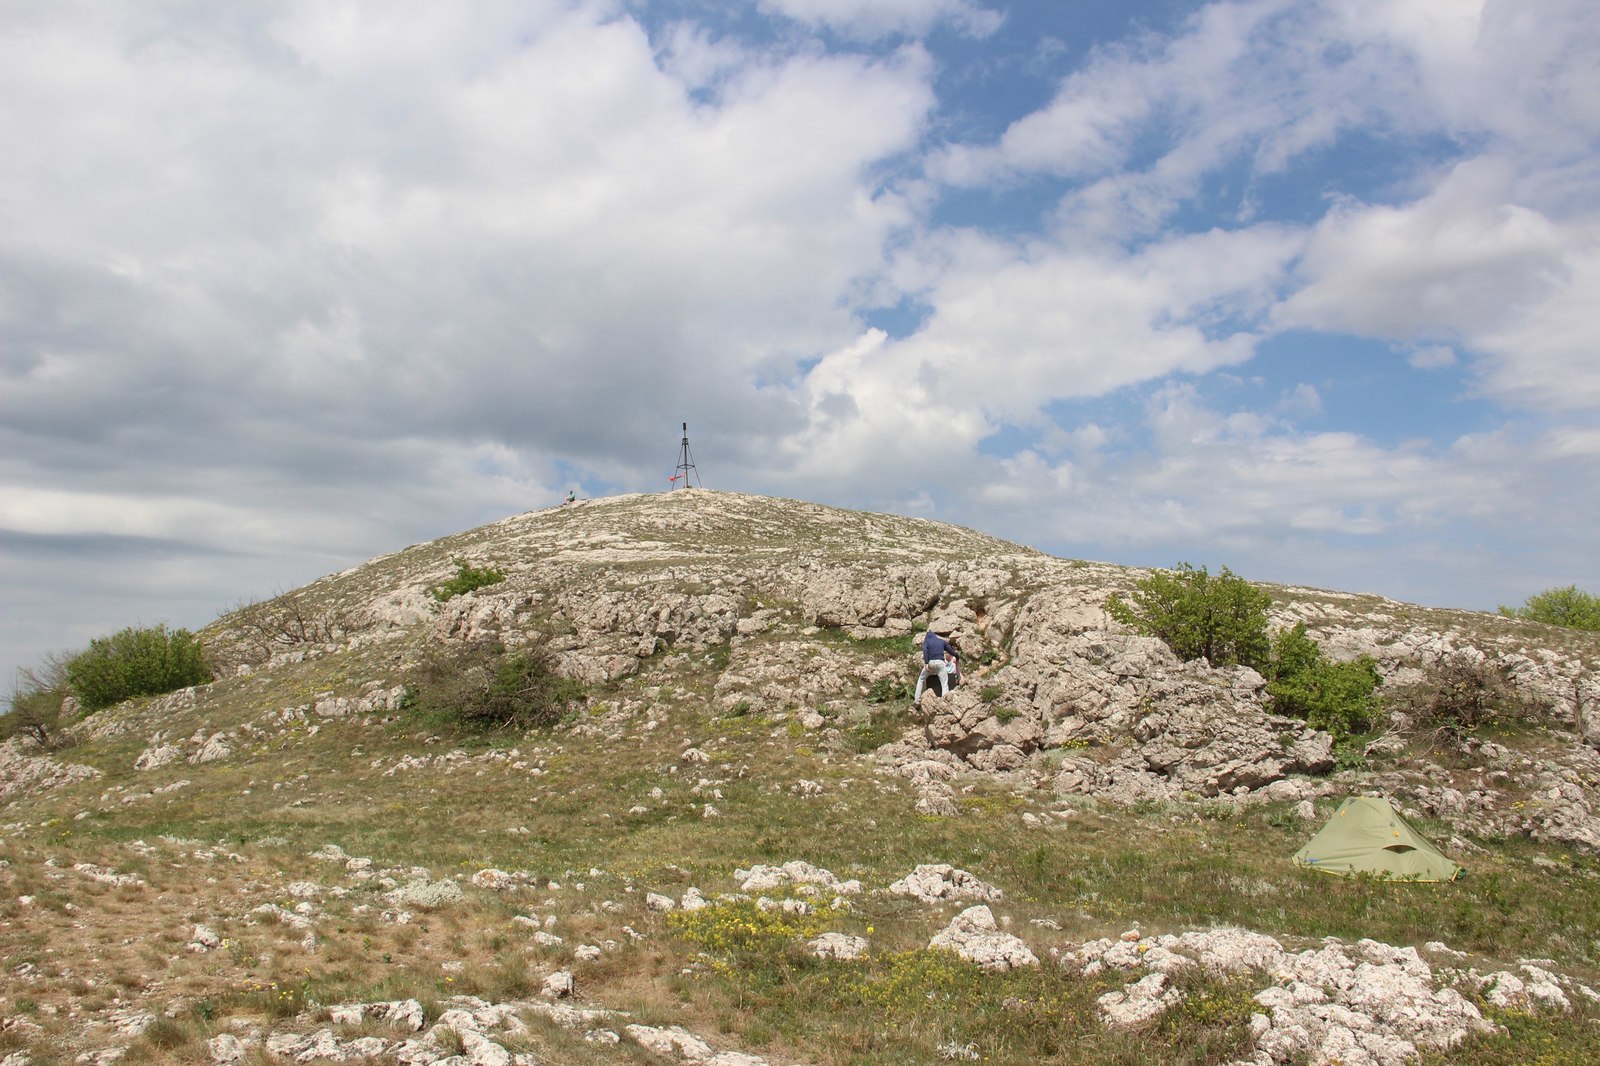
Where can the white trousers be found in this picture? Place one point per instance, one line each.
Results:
(938, 667)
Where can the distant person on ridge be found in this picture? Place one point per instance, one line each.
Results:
(939, 657)
(572, 497)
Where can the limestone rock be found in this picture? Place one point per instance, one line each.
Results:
(763, 878)
(837, 946)
(974, 935)
(933, 882)
(422, 892)
(214, 749)
(25, 775)
(158, 756)
(225, 1049)
(1139, 1002)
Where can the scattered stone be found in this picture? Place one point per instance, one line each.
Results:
(214, 749)
(494, 880)
(679, 1045)
(1364, 1005)
(403, 1013)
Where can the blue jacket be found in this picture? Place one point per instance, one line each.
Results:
(934, 646)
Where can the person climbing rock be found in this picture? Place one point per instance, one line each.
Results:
(939, 658)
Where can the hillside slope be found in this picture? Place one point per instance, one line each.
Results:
(288, 865)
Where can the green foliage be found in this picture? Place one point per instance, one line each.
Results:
(468, 578)
(1222, 619)
(482, 685)
(136, 662)
(890, 690)
(1338, 697)
(1350, 753)
(1570, 607)
(35, 713)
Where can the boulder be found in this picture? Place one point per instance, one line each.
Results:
(974, 935)
(935, 882)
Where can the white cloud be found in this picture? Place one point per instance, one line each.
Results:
(467, 220)
(1432, 357)
(1017, 328)
(1145, 121)
(1449, 264)
(871, 19)
(1465, 265)
(1250, 490)
(1543, 352)
(1302, 399)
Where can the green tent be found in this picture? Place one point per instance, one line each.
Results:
(1366, 835)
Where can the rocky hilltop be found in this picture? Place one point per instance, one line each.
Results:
(743, 663)
(1064, 697)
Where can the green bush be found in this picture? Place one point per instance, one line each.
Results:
(468, 577)
(1338, 697)
(136, 662)
(484, 686)
(1222, 619)
(1570, 607)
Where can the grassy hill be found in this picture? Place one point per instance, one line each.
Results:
(252, 855)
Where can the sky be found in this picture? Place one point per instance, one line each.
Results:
(1305, 288)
